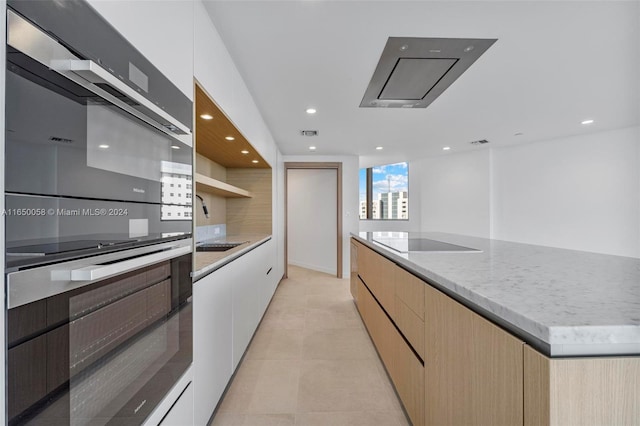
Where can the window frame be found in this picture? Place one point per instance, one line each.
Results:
(369, 192)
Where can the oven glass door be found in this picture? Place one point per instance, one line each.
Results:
(65, 140)
(104, 354)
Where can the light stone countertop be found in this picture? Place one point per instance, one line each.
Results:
(563, 302)
(207, 262)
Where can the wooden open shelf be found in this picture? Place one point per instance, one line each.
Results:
(214, 186)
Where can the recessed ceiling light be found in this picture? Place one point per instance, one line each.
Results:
(312, 148)
(468, 49)
(587, 121)
(206, 116)
(379, 148)
(175, 147)
(311, 111)
(103, 146)
(446, 148)
(230, 138)
(254, 161)
(244, 151)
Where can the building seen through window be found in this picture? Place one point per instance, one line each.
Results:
(176, 202)
(384, 192)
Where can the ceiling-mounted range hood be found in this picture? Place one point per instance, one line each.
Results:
(413, 72)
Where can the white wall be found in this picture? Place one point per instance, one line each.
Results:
(349, 197)
(454, 194)
(311, 220)
(580, 192)
(161, 30)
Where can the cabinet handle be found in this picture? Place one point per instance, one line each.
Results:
(269, 270)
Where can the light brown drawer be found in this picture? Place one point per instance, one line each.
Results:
(378, 274)
(410, 289)
(411, 326)
(385, 337)
(409, 382)
(404, 368)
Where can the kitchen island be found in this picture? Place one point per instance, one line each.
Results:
(563, 302)
(482, 331)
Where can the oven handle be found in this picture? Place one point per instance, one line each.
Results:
(98, 272)
(87, 73)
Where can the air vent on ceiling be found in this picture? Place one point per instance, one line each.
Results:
(412, 72)
(479, 142)
(61, 140)
(309, 132)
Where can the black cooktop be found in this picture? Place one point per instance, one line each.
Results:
(405, 245)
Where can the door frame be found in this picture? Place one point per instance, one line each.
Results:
(313, 165)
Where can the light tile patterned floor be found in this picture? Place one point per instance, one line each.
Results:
(311, 363)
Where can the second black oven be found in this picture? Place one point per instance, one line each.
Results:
(100, 340)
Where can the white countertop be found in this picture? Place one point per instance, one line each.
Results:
(564, 302)
(207, 262)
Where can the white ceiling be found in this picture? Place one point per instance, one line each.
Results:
(555, 64)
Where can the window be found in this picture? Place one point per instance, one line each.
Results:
(384, 192)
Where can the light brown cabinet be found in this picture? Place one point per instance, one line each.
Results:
(450, 366)
(581, 391)
(232, 179)
(378, 274)
(409, 309)
(409, 382)
(404, 368)
(353, 277)
(376, 306)
(473, 369)
(380, 328)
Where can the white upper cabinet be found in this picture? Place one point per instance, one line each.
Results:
(161, 30)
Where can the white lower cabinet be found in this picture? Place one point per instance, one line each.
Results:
(227, 307)
(250, 299)
(266, 275)
(181, 414)
(212, 340)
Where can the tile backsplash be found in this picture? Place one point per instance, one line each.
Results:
(210, 232)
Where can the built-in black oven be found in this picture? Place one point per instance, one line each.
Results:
(88, 350)
(98, 219)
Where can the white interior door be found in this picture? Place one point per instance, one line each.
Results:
(312, 219)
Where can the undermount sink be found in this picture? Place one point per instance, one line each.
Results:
(217, 246)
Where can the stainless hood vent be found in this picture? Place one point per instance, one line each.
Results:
(413, 72)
